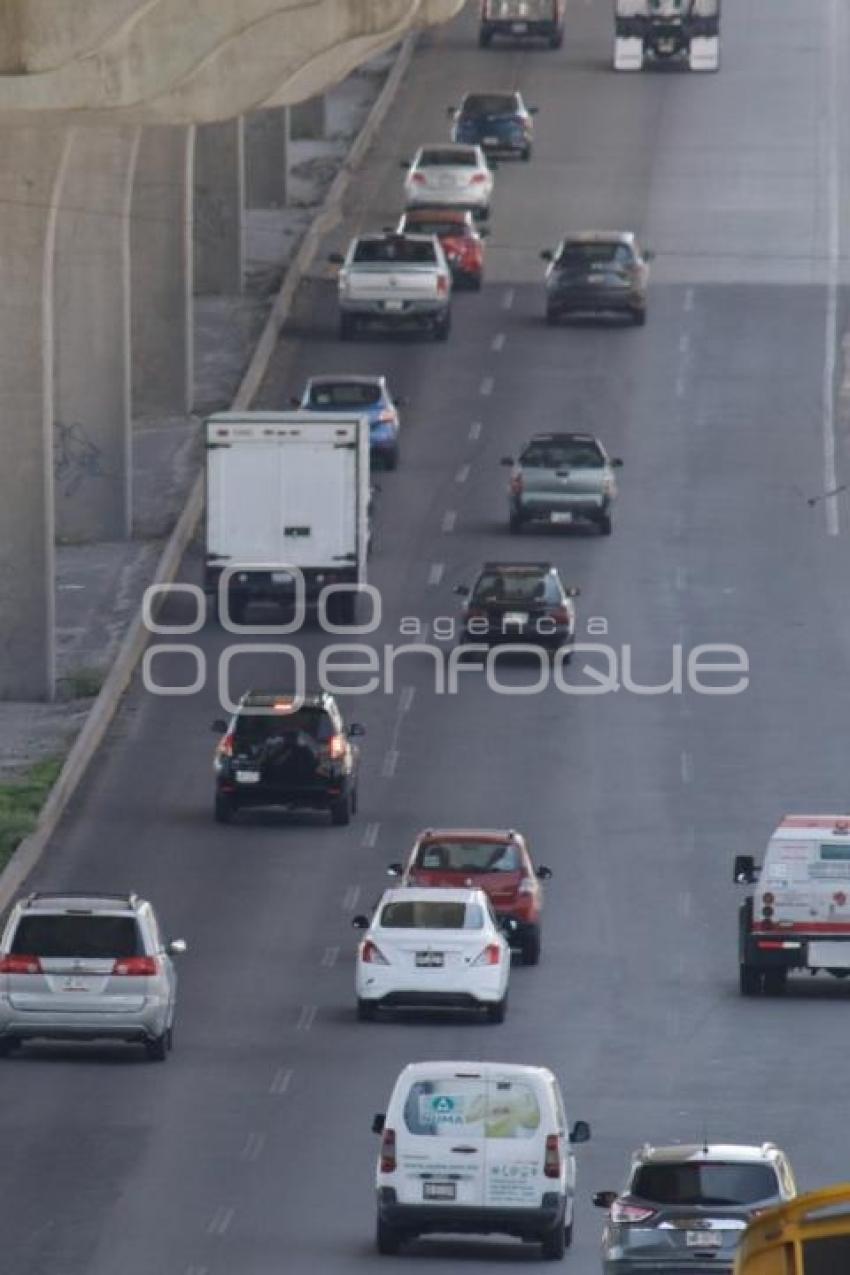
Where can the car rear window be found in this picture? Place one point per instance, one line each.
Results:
(345, 394)
(468, 856)
(562, 455)
(705, 1183)
(438, 158)
(445, 229)
(490, 104)
(411, 252)
(91, 935)
(425, 914)
(473, 1107)
(514, 586)
(260, 729)
(584, 255)
(520, 9)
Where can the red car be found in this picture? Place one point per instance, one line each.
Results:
(492, 860)
(463, 242)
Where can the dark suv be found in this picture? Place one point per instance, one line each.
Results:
(684, 1208)
(277, 752)
(519, 602)
(597, 272)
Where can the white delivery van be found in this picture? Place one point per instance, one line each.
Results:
(476, 1147)
(287, 492)
(798, 916)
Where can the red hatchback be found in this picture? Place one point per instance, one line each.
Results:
(492, 860)
(462, 241)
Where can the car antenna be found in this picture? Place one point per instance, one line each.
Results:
(704, 1137)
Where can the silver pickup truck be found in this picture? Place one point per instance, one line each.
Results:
(395, 281)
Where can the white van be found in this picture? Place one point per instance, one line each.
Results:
(798, 916)
(476, 1147)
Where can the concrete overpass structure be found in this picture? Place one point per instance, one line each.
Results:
(127, 131)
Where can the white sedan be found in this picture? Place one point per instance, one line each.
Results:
(449, 175)
(430, 946)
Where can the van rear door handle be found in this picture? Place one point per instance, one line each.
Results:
(466, 1150)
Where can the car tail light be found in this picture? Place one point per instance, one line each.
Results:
(371, 954)
(527, 886)
(477, 178)
(607, 485)
(561, 615)
(767, 897)
(225, 748)
(386, 416)
(442, 284)
(388, 1161)
(767, 913)
(336, 747)
(517, 484)
(20, 965)
(419, 178)
(630, 1212)
(491, 955)
(552, 1158)
(136, 966)
(476, 613)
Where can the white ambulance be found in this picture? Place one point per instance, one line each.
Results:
(798, 916)
(476, 1147)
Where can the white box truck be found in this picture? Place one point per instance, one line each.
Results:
(286, 493)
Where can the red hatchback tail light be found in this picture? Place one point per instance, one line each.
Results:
(20, 965)
(388, 1160)
(419, 178)
(517, 484)
(552, 1158)
(225, 748)
(442, 284)
(136, 966)
(477, 178)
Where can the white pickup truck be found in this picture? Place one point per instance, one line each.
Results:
(394, 280)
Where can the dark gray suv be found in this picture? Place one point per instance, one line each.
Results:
(683, 1209)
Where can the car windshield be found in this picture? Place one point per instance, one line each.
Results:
(490, 104)
(705, 1183)
(425, 914)
(416, 252)
(586, 255)
(513, 586)
(445, 158)
(255, 730)
(562, 455)
(445, 229)
(94, 936)
(468, 856)
(344, 394)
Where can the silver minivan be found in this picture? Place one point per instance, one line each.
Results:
(560, 479)
(86, 967)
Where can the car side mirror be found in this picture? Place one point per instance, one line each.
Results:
(394, 870)
(649, 255)
(336, 258)
(506, 460)
(543, 873)
(294, 402)
(745, 871)
(356, 729)
(176, 947)
(378, 1122)
(533, 110)
(401, 400)
(573, 591)
(547, 254)
(580, 1132)
(492, 164)
(617, 462)
(404, 163)
(462, 590)
(451, 110)
(507, 924)
(604, 1199)
(219, 726)
(483, 232)
(360, 922)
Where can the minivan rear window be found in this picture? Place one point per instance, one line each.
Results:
(705, 1183)
(423, 914)
(473, 1107)
(67, 936)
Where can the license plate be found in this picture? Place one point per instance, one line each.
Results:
(439, 1190)
(281, 577)
(247, 776)
(560, 517)
(596, 278)
(491, 141)
(429, 959)
(516, 617)
(393, 305)
(75, 985)
(704, 1239)
(519, 28)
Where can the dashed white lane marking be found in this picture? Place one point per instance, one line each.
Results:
(370, 835)
(449, 520)
(685, 902)
(686, 766)
(352, 894)
(680, 386)
(486, 386)
(253, 1147)
(684, 343)
(280, 1081)
(390, 763)
(498, 342)
(475, 431)
(306, 1018)
(329, 958)
(70, 586)
(681, 577)
(435, 573)
(220, 1221)
(405, 702)
(197, 1270)
(689, 300)
(830, 468)
(462, 474)
(508, 298)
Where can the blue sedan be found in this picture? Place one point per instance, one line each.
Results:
(359, 396)
(497, 122)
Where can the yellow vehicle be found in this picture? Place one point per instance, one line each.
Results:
(808, 1236)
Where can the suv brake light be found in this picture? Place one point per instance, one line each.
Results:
(517, 484)
(630, 1212)
(477, 178)
(561, 615)
(490, 956)
(386, 415)
(136, 966)
(526, 886)
(552, 1158)
(371, 954)
(388, 1161)
(336, 747)
(20, 965)
(419, 178)
(225, 748)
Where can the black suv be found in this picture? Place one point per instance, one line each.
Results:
(684, 1208)
(277, 752)
(597, 272)
(519, 602)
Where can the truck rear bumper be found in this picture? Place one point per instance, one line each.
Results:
(797, 951)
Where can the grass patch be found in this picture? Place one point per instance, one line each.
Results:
(20, 803)
(82, 683)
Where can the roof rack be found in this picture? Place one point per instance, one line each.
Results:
(132, 899)
(517, 566)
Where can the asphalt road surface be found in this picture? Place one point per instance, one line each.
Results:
(250, 1153)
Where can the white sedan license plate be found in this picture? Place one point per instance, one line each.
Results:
(704, 1239)
(560, 517)
(516, 617)
(439, 1191)
(75, 985)
(519, 28)
(429, 960)
(247, 776)
(393, 305)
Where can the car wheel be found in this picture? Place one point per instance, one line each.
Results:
(551, 316)
(775, 982)
(158, 1047)
(484, 38)
(341, 811)
(604, 524)
(568, 1235)
(555, 41)
(475, 282)
(531, 943)
(526, 154)
(341, 608)
(496, 1012)
(554, 1244)
(388, 1239)
(367, 1011)
(639, 317)
(236, 608)
(750, 979)
(224, 808)
(515, 522)
(442, 328)
(347, 327)
(391, 458)
(8, 1045)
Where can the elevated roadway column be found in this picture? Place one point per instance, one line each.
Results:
(220, 207)
(267, 157)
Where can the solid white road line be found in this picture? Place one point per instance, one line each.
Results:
(830, 468)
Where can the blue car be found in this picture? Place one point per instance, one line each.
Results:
(359, 396)
(497, 122)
